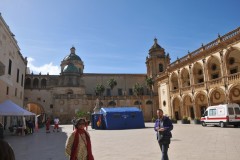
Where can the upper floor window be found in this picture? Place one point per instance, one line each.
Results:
(120, 93)
(10, 67)
(17, 75)
(35, 83)
(108, 92)
(7, 91)
(160, 67)
(130, 91)
(22, 80)
(43, 83)
(231, 60)
(214, 67)
(15, 92)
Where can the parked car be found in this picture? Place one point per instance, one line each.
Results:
(222, 115)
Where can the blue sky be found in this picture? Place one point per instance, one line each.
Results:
(114, 36)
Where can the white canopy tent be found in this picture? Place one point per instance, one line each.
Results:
(8, 108)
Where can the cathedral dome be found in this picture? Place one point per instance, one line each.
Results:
(72, 56)
(70, 68)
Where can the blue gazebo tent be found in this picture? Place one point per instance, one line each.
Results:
(122, 118)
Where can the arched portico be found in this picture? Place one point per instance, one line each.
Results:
(234, 94)
(217, 96)
(177, 112)
(188, 109)
(201, 103)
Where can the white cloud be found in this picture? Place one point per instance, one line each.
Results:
(44, 69)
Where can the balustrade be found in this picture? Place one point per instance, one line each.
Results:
(234, 77)
(206, 47)
(214, 82)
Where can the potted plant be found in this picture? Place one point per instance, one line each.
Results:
(185, 120)
(197, 120)
(174, 120)
(153, 119)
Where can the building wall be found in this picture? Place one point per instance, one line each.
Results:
(9, 50)
(65, 101)
(208, 76)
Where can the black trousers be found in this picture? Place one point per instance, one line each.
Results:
(164, 145)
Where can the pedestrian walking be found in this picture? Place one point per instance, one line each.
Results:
(74, 122)
(163, 127)
(78, 145)
(48, 125)
(87, 123)
(56, 124)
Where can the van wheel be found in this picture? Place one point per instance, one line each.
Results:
(222, 124)
(203, 124)
(235, 126)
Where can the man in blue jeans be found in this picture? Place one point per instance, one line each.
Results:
(163, 127)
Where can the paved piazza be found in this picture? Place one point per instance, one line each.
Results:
(189, 142)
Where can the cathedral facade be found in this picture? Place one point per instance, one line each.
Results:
(73, 90)
(210, 75)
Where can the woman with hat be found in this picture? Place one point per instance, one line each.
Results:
(78, 145)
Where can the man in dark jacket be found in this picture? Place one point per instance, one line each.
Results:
(163, 127)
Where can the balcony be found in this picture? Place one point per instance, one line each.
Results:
(215, 82)
(233, 78)
(186, 89)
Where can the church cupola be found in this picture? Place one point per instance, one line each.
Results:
(156, 61)
(72, 60)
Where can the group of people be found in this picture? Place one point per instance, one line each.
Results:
(78, 145)
(56, 125)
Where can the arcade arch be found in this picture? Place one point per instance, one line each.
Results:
(174, 81)
(188, 109)
(217, 96)
(177, 108)
(234, 94)
(233, 61)
(35, 108)
(198, 73)
(214, 68)
(185, 78)
(201, 103)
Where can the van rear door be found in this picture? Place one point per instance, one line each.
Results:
(237, 114)
(231, 114)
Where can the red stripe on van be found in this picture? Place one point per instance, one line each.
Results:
(218, 118)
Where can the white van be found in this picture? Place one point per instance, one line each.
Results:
(222, 115)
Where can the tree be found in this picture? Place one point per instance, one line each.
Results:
(99, 90)
(138, 91)
(150, 83)
(82, 114)
(112, 83)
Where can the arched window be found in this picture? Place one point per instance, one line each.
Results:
(149, 102)
(137, 103)
(43, 83)
(35, 83)
(28, 83)
(160, 67)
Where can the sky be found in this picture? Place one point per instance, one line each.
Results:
(114, 36)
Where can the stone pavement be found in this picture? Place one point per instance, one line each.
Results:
(189, 142)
